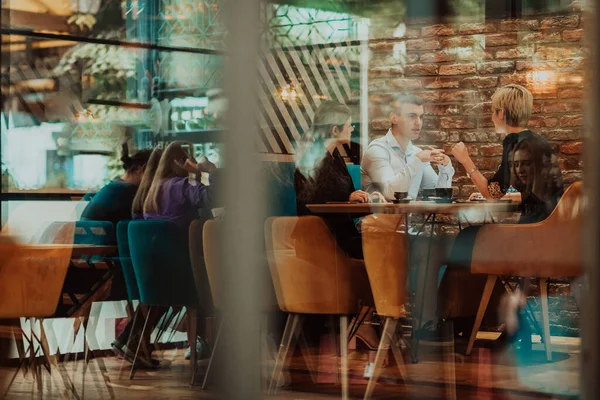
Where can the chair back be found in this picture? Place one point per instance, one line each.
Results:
(208, 295)
(161, 263)
(550, 248)
(311, 274)
(100, 233)
(386, 260)
(58, 232)
(133, 292)
(31, 278)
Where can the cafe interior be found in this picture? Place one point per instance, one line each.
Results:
(299, 199)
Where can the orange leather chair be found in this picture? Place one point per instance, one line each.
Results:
(312, 275)
(31, 281)
(551, 248)
(386, 261)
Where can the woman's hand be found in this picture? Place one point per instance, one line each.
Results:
(460, 152)
(204, 165)
(189, 165)
(360, 196)
(475, 196)
(377, 197)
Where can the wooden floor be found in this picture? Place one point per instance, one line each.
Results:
(483, 375)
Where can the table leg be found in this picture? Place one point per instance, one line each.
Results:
(417, 322)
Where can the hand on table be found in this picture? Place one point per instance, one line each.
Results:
(360, 196)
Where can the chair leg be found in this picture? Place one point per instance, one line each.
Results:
(384, 345)
(150, 309)
(545, 317)
(333, 345)
(344, 354)
(397, 352)
(212, 354)
(308, 356)
(67, 385)
(485, 299)
(193, 318)
(294, 323)
(131, 334)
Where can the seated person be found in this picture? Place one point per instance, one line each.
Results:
(113, 202)
(173, 194)
(528, 166)
(393, 163)
(321, 176)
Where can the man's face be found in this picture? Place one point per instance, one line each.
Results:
(409, 120)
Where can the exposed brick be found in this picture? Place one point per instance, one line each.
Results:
(572, 148)
(380, 124)
(477, 109)
(380, 98)
(571, 120)
(421, 44)
(463, 41)
(540, 37)
(560, 134)
(457, 123)
(433, 136)
(572, 35)
(472, 149)
(501, 39)
(562, 107)
(537, 107)
(515, 52)
(485, 122)
(383, 44)
(536, 65)
(421, 70)
(428, 96)
(518, 24)
(438, 30)
(447, 96)
(441, 83)
(519, 79)
(457, 69)
(542, 121)
(491, 150)
(477, 27)
(411, 57)
(571, 63)
(431, 123)
(404, 83)
(570, 162)
(479, 82)
(467, 190)
(496, 67)
(473, 54)
(569, 21)
(393, 70)
(438, 56)
(441, 109)
(557, 52)
(571, 93)
(570, 79)
(488, 163)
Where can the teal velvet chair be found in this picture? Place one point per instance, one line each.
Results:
(161, 264)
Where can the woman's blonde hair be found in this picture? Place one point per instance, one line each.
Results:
(169, 166)
(142, 192)
(517, 103)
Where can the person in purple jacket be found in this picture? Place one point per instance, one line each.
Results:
(177, 195)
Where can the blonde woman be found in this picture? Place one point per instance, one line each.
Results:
(512, 107)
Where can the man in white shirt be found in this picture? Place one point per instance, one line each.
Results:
(393, 164)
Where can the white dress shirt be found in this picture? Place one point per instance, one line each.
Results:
(385, 167)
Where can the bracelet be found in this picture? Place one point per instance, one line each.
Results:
(471, 172)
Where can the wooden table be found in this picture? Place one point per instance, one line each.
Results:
(429, 208)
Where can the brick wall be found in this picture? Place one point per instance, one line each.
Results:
(456, 67)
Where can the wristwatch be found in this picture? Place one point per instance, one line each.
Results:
(469, 173)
